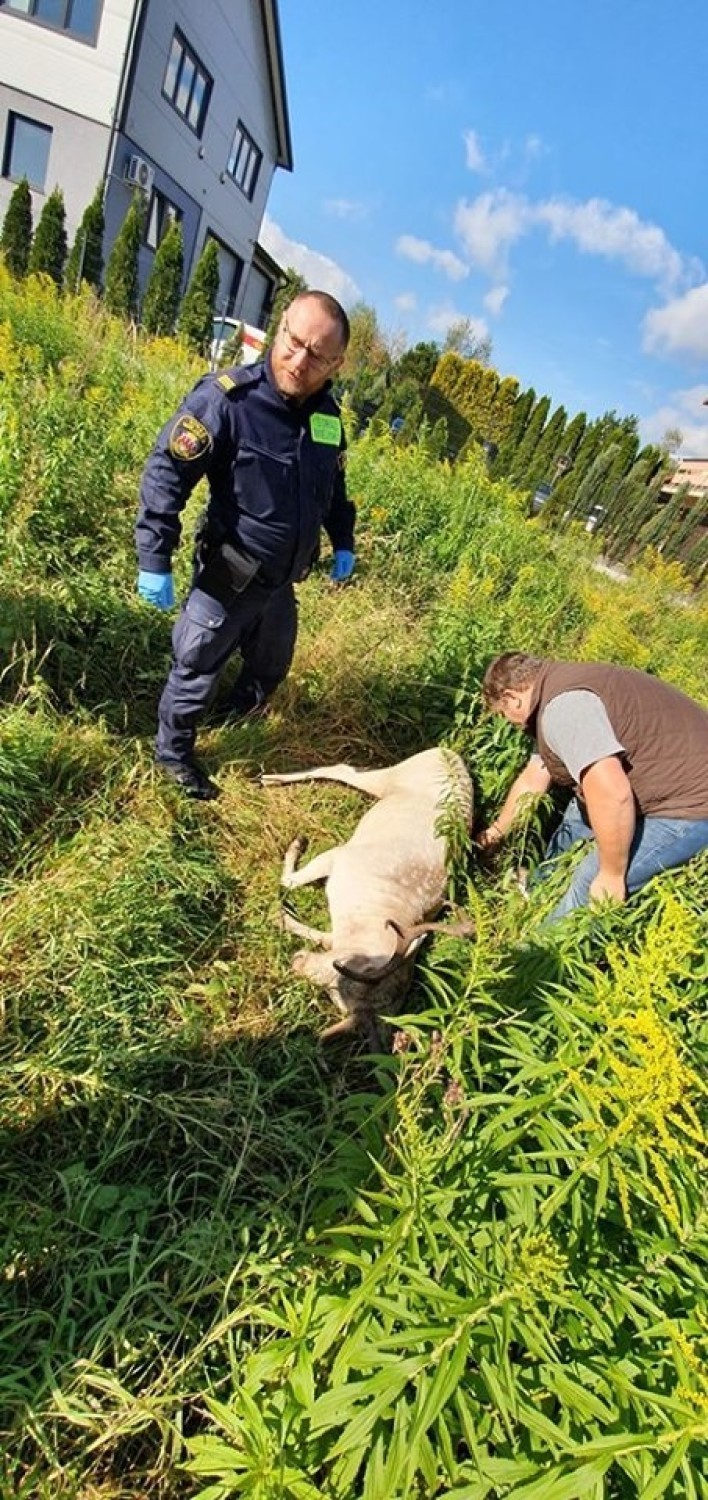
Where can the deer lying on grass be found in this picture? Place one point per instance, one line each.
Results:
(383, 886)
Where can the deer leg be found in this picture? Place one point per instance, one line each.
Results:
(315, 869)
(289, 923)
(376, 783)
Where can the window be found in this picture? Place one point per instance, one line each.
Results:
(27, 150)
(79, 17)
(161, 214)
(187, 84)
(245, 160)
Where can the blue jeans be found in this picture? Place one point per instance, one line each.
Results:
(658, 844)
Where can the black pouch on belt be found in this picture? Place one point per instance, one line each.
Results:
(227, 572)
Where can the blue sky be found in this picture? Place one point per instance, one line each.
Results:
(539, 166)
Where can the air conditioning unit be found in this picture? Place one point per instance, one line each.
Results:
(139, 172)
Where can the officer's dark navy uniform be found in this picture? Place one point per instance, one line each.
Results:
(275, 469)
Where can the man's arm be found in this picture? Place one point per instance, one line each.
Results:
(341, 519)
(182, 455)
(533, 781)
(611, 814)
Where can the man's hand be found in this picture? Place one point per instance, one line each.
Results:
(342, 567)
(157, 589)
(489, 838)
(608, 888)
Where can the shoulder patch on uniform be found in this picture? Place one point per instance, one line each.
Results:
(226, 381)
(325, 429)
(189, 439)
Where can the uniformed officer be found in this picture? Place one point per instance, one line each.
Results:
(269, 439)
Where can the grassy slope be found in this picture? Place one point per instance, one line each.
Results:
(475, 1267)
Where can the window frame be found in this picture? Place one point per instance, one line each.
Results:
(187, 54)
(13, 115)
(246, 176)
(63, 27)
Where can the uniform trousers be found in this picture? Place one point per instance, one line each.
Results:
(260, 622)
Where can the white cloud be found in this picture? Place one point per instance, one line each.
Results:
(493, 222)
(681, 327)
(684, 409)
(440, 318)
(490, 225)
(319, 271)
(423, 253)
(495, 299)
(599, 228)
(405, 302)
(474, 154)
(346, 208)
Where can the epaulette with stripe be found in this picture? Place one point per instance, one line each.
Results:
(232, 380)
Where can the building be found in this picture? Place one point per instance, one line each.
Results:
(690, 475)
(186, 103)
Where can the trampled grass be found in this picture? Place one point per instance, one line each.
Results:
(473, 1268)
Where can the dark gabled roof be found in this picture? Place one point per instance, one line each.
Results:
(274, 53)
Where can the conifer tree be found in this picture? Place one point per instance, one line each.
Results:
(520, 414)
(122, 283)
(16, 237)
(293, 284)
(85, 261)
(597, 483)
(48, 252)
(232, 349)
(195, 321)
(549, 444)
(162, 294)
(521, 464)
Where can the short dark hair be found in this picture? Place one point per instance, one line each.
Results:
(329, 305)
(508, 673)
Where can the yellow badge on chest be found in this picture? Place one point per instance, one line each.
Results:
(325, 429)
(189, 439)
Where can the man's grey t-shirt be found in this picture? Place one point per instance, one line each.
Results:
(578, 730)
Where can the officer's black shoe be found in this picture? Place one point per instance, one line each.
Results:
(190, 778)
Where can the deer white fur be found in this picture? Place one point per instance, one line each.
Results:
(384, 885)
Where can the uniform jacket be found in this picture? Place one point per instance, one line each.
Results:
(664, 734)
(275, 471)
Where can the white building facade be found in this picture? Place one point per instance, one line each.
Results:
(186, 102)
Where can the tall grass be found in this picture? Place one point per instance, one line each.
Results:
(232, 1265)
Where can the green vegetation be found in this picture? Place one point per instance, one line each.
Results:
(122, 289)
(475, 1268)
(196, 314)
(162, 294)
(16, 237)
(85, 262)
(48, 252)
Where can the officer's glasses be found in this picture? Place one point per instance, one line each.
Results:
(294, 346)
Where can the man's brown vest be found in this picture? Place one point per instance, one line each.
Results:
(664, 734)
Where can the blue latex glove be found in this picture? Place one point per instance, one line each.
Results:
(157, 589)
(342, 567)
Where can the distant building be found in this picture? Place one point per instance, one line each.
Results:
(186, 102)
(689, 473)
